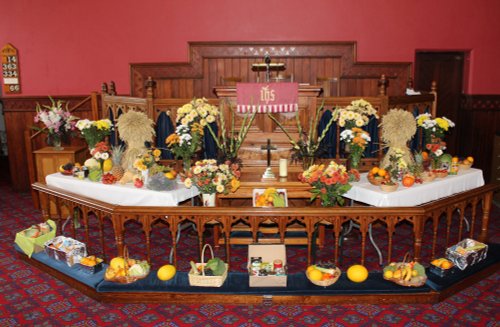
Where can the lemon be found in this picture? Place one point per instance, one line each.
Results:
(382, 172)
(166, 272)
(117, 263)
(169, 175)
(471, 159)
(310, 268)
(388, 274)
(374, 170)
(107, 165)
(454, 159)
(315, 275)
(357, 273)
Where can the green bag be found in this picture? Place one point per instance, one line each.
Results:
(31, 245)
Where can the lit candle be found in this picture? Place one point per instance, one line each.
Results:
(283, 168)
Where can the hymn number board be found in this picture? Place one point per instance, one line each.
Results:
(10, 70)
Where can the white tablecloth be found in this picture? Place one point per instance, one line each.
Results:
(365, 192)
(125, 195)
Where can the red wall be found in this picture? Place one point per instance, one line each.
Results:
(71, 47)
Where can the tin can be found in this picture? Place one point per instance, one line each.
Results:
(278, 267)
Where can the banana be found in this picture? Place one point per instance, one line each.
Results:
(408, 273)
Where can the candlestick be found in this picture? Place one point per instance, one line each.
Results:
(283, 167)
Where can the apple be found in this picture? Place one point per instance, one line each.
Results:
(138, 183)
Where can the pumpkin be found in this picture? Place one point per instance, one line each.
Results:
(408, 180)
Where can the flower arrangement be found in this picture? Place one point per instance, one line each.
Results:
(357, 114)
(230, 142)
(329, 182)
(147, 160)
(94, 131)
(357, 139)
(185, 142)
(57, 120)
(434, 128)
(211, 178)
(191, 119)
(308, 145)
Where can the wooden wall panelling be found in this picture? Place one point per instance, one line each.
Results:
(478, 123)
(234, 59)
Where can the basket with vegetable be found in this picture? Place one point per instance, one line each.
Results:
(125, 270)
(213, 273)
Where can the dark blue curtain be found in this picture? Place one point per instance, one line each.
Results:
(328, 145)
(164, 128)
(372, 129)
(210, 147)
(113, 137)
(418, 141)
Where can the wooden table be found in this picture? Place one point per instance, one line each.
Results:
(298, 195)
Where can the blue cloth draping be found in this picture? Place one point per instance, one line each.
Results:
(210, 147)
(164, 128)
(328, 145)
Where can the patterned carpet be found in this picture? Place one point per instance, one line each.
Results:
(32, 298)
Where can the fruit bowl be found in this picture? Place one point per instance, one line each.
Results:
(440, 173)
(428, 177)
(375, 180)
(389, 187)
(326, 282)
(464, 166)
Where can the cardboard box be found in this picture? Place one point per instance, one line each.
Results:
(268, 253)
(31, 245)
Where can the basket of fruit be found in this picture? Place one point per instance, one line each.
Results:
(124, 270)
(377, 175)
(428, 176)
(323, 274)
(466, 163)
(270, 197)
(411, 274)
(440, 173)
(213, 273)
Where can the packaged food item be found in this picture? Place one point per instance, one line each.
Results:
(466, 253)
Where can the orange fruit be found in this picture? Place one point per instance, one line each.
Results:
(374, 170)
(408, 181)
(382, 172)
(357, 273)
(454, 159)
(446, 264)
(315, 275)
(425, 155)
(471, 159)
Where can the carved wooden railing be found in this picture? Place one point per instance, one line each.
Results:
(446, 210)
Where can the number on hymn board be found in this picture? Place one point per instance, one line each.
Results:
(10, 69)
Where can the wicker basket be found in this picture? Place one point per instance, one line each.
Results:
(389, 188)
(195, 279)
(124, 279)
(413, 282)
(462, 166)
(328, 282)
(375, 180)
(428, 177)
(441, 174)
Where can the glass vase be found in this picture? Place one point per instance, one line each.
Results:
(186, 164)
(54, 140)
(307, 161)
(354, 161)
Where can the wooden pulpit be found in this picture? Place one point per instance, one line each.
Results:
(263, 128)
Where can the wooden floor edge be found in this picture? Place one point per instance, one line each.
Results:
(238, 299)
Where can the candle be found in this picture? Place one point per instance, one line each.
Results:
(283, 168)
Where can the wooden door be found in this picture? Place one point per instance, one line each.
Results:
(447, 69)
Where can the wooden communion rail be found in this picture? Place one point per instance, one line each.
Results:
(309, 217)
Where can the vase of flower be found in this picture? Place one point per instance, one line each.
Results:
(208, 199)
(145, 176)
(307, 161)
(54, 140)
(186, 164)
